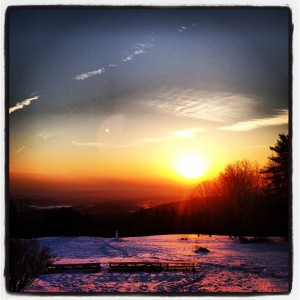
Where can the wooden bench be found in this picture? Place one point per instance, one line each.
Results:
(152, 266)
(85, 267)
(180, 266)
(135, 266)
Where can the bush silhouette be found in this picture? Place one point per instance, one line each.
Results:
(27, 260)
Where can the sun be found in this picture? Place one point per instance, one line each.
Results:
(190, 165)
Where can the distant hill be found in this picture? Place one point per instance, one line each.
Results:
(202, 215)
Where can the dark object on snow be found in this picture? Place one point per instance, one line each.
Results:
(152, 266)
(84, 267)
(135, 266)
(184, 239)
(202, 250)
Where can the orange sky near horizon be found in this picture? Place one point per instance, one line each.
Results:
(82, 167)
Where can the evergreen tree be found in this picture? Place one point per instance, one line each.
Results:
(277, 170)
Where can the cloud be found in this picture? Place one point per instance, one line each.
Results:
(129, 144)
(281, 118)
(46, 134)
(20, 105)
(35, 93)
(87, 144)
(138, 49)
(20, 149)
(200, 104)
(186, 133)
(87, 75)
(182, 28)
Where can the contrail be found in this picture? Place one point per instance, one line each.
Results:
(87, 75)
(19, 150)
(138, 50)
(20, 105)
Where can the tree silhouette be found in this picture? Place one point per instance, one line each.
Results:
(277, 170)
(27, 260)
(241, 185)
(240, 181)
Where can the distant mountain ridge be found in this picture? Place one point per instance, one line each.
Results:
(203, 215)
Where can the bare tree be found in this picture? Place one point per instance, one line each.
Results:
(240, 181)
(205, 189)
(27, 260)
(240, 184)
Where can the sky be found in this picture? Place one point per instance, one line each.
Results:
(117, 99)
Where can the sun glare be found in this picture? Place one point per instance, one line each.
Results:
(190, 165)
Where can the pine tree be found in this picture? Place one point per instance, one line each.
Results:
(277, 170)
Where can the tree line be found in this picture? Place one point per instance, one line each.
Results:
(242, 200)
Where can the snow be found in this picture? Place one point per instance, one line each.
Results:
(229, 267)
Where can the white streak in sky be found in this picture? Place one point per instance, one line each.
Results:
(46, 134)
(280, 119)
(35, 93)
(20, 149)
(87, 75)
(182, 28)
(185, 133)
(20, 105)
(100, 145)
(138, 49)
(130, 144)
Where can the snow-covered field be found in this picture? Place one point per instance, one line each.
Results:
(229, 267)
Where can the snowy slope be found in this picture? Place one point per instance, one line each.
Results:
(229, 267)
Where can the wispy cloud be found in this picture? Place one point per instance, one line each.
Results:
(87, 75)
(205, 105)
(185, 133)
(35, 93)
(46, 134)
(281, 118)
(88, 144)
(20, 149)
(138, 49)
(185, 27)
(182, 28)
(139, 142)
(20, 105)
